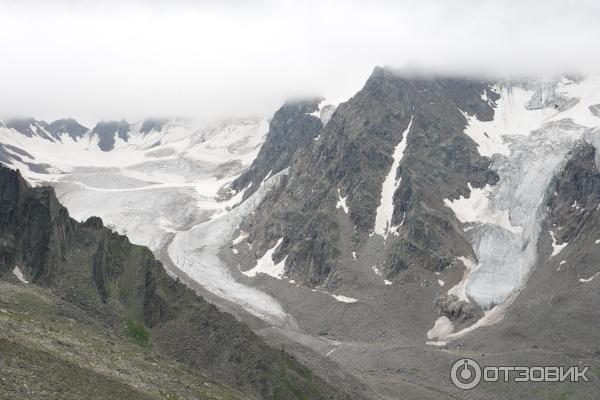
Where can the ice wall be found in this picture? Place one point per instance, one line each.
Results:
(535, 125)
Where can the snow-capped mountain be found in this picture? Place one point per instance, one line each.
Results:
(424, 213)
(157, 180)
(64, 145)
(427, 205)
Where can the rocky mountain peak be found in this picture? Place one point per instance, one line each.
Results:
(153, 124)
(69, 126)
(350, 164)
(29, 127)
(107, 130)
(294, 127)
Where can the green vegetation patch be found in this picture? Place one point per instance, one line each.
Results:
(138, 332)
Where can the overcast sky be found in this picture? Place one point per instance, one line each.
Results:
(212, 59)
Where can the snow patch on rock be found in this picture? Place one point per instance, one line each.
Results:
(344, 299)
(266, 265)
(342, 202)
(325, 110)
(556, 248)
(241, 237)
(385, 211)
(19, 274)
(589, 279)
(441, 328)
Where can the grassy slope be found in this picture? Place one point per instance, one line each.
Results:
(53, 350)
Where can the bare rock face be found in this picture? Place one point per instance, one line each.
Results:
(293, 128)
(26, 126)
(349, 163)
(116, 282)
(106, 132)
(455, 309)
(69, 126)
(153, 124)
(31, 127)
(595, 109)
(577, 196)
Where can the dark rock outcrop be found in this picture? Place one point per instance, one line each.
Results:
(69, 126)
(50, 131)
(29, 127)
(352, 158)
(153, 124)
(292, 129)
(106, 132)
(577, 196)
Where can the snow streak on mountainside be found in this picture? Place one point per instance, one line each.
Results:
(385, 211)
(535, 126)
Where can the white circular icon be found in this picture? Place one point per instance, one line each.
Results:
(465, 374)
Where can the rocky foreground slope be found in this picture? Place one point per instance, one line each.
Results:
(87, 314)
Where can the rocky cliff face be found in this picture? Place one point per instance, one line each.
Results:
(121, 285)
(106, 131)
(29, 127)
(68, 126)
(36, 229)
(377, 177)
(293, 128)
(50, 131)
(153, 124)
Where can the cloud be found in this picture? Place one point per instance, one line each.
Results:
(213, 59)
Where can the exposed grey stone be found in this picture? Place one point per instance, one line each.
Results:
(70, 126)
(106, 132)
(595, 110)
(291, 130)
(354, 154)
(153, 124)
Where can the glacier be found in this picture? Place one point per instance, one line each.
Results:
(195, 252)
(535, 126)
(163, 189)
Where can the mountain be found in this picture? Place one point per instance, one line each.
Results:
(104, 135)
(69, 126)
(425, 219)
(448, 211)
(352, 159)
(30, 127)
(293, 127)
(99, 276)
(153, 124)
(108, 131)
